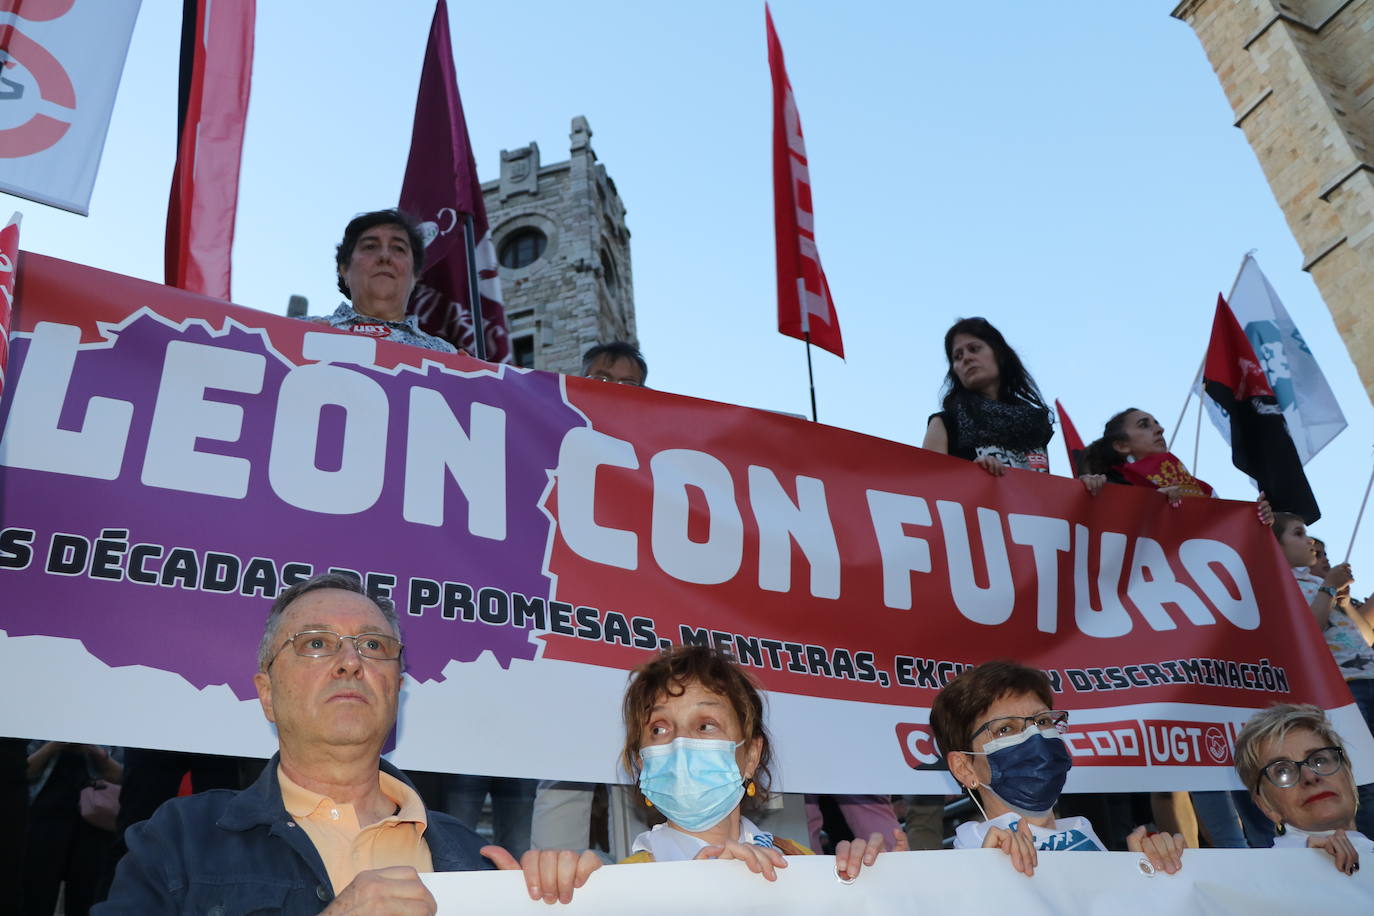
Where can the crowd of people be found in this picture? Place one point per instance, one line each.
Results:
(328, 825)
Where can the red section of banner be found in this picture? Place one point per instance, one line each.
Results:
(205, 183)
(9, 259)
(442, 191)
(805, 308)
(903, 566)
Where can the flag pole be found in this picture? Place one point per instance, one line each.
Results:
(474, 293)
(1364, 502)
(1182, 413)
(1197, 434)
(806, 336)
(810, 377)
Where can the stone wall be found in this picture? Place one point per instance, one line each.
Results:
(1299, 75)
(580, 291)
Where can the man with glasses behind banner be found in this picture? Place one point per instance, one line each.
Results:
(329, 826)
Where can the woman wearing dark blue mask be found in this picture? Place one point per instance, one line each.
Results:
(696, 745)
(1003, 741)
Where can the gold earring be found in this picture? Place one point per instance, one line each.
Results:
(648, 804)
(750, 789)
(1279, 828)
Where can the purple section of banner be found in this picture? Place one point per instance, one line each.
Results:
(200, 592)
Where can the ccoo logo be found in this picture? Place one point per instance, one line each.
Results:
(39, 131)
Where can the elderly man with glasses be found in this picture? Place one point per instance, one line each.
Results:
(329, 826)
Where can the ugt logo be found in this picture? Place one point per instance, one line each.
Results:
(47, 82)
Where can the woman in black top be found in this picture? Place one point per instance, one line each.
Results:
(993, 413)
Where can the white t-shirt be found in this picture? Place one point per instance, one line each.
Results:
(667, 844)
(1069, 833)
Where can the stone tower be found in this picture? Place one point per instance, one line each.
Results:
(564, 252)
(1299, 75)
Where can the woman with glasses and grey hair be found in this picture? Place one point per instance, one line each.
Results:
(1002, 739)
(1296, 768)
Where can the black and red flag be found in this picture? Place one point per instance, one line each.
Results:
(1073, 442)
(1260, 443)
(216, 75)
(441, 190)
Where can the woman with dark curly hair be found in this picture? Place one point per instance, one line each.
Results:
(697, 748)
(992, 412)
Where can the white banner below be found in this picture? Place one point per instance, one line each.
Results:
(60, 64)
(970, 881)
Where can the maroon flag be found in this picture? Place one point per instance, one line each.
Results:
(216, 74)
(805, 309)
(442, 191)
(9, 265)
(1072, 441)
(1260, 444)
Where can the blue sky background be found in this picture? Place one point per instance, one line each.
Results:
(1068, 171)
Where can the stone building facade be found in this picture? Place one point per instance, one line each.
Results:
(1299, 75)
(564, 251)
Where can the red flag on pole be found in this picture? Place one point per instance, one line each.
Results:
(9, 265)
(1260, 443)
(216, 74)
(1072, 441)
(441, 190)
(805, 308)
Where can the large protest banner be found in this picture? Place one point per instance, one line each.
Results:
(967, 881)
(168, 462)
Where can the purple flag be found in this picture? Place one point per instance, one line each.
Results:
(441, 189)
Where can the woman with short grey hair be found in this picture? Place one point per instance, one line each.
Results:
(1294, 764)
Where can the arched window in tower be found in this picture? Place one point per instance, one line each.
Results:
(608, 270)
(522, 248)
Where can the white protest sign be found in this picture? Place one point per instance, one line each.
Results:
(969, 881)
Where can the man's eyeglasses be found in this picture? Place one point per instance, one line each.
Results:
(602, 377)
(1285, 773)
(324, 643)
(1004, 726)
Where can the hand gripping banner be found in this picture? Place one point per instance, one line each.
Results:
(169, 462)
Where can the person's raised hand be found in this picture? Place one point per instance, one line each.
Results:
(1339, 848)
(1339, 576)
(551, 875)
(393, 891)
(1018, 843)
(1093, 483)
(1164, 850)
(761, 860)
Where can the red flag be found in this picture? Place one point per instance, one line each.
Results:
(805, 308)
(442, 191)
(1072, 441)
(216, 74)
(1260, 444)
(9, 264)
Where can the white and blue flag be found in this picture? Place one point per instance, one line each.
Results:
(1309, 407)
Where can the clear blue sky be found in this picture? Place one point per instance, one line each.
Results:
(1067, 170)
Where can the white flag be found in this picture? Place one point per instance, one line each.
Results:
(60, 64)
(1313, 414)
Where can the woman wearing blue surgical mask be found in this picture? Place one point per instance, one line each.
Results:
(1003, 741)
(696, 745)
